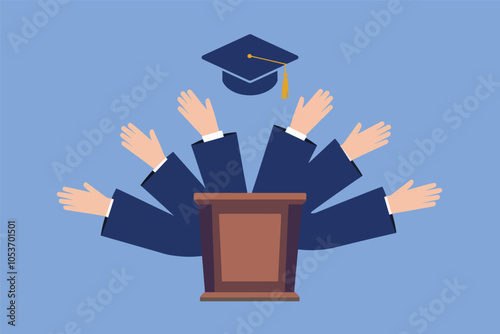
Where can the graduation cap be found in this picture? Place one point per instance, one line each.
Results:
(249, 65)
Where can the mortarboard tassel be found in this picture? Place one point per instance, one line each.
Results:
(284, 89)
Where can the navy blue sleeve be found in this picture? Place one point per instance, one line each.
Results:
(220, 164)
(327, 174)
(138, 223)
(173, 185)
(284, 165)
(360, 218)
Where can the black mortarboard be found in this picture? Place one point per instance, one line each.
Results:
(250, 65)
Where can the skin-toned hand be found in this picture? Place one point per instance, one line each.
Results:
(201, 117)
(147, 149)
(360, 143)
(406, 199)
(306, 117)
(90, 201)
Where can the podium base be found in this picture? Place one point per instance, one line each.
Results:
(249, 296)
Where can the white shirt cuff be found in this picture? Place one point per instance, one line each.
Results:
(388, 206)
(347, 155)
(296, 133)
(159, 165)
(212, 136)
(109, 208)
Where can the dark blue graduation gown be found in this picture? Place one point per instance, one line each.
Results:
(287, 167)
(173, 185)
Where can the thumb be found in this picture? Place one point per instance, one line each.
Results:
(406, 186)
(300, 105)
(209, 105)
(152, 134)
(355, 131)
(357, 128)
(89, 187)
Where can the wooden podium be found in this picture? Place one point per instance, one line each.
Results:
(249, 245)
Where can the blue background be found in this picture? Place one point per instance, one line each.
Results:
(65, 79)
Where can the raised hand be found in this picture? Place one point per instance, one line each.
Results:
(90, 201)
(406, 199)
(147, 149)
(201, 117)
(360, 143)
(306, 117)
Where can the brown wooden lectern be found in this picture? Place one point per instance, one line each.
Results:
(249, 245)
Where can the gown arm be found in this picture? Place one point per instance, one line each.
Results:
(220, 164)
(360, 218)
(173, 186)
(284, 163)
(138, 223)
(327, 174)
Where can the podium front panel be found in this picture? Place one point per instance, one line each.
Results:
(251, 236)
(250, 247)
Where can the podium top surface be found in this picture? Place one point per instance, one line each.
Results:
(294, 198)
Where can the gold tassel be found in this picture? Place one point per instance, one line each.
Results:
(284, 89)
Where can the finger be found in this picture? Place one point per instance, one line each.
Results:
(89, 187)
(384, 135)
(209, 105)
(193, 96)
(134, 128)
(125, 137)
(129, 132)
(328, 100)
(185, 97)
(427, 205)
(434, 191)
(327, 110)
(324, 113)
(317, 95)
(381, 143)
(377, 126)
(407, 185)
(432, 198)
(356, 129)
(325, 95)
(152, 134)
(183, 103)
(427, 186)
(183, 112)
(300, 105)
(71, 208)
(384, 129)
(128, 147)
(72, 191)
(66, 201)
(65, 195)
